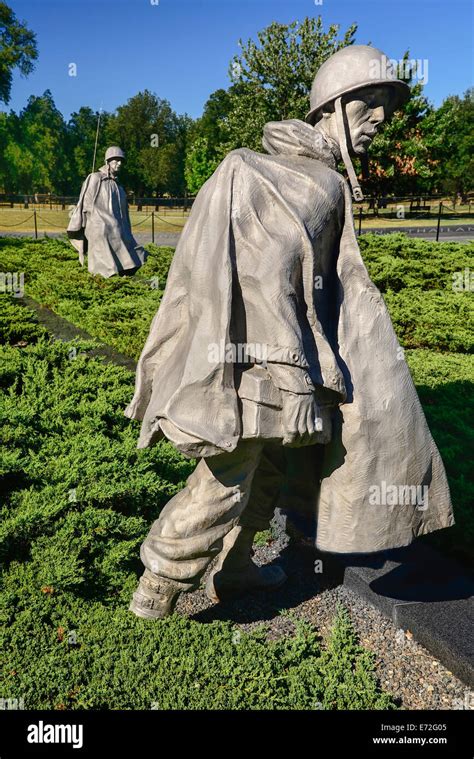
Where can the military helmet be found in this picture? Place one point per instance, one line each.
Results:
(114, 152)
(350, 69)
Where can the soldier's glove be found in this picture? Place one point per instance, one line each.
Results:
(301, 423)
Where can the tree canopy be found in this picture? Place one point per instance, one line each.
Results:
(420, 150)
(17, 50)
(417, 151)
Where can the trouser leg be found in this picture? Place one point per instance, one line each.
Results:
(258, 513)
(190, 530)
(212, 515)
(234, 572)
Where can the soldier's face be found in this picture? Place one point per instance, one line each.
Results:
(115, 164)
(365, 111)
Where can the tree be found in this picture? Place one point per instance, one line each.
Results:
(37, 152)
(19, 161)
(212, 124)
(207, 139)
(17, 50)
(449, 136)
(82, 130)
(145, 127)
(163, 170)
(6, 181)
(276, 76)
(199, 165)
(270, 81)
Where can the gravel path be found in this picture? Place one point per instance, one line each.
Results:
(404, 668)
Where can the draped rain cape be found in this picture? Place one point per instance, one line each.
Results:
(278, 229)
(100, 227)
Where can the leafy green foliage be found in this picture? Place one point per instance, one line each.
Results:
(448, 134)
(18, 49)
(36, 137)
(200, 164)
(104, 658)
(416, 278)
(82, 133)
(117, 311)
(69, 446)
(42, 153)
(156, 166)
(444, 385)
(271, 80)
(419, 150)
(276, 74)
(432, 319)
(18, 324)
(262, 538)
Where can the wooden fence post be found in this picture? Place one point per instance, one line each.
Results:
(439, 220)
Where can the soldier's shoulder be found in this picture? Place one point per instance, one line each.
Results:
(327, 175)
(235, 157)
(93, 178)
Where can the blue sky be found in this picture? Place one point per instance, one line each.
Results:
(181, 49)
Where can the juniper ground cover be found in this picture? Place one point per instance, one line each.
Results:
(78, 497)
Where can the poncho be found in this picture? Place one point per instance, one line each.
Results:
(278, 231)
(100, 227)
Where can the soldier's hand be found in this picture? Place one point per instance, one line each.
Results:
(301, 423)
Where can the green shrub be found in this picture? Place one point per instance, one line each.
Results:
(17, 324)
(117, 311)
(444, 385)
(63, 429)
(435, 319)
(415, 276)
(397, 261)
(64, 651)
(78, 499)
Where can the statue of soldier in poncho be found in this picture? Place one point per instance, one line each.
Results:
(100, 224)
(272, 359)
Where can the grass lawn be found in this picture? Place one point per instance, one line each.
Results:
(21, 220)
(381, 222)
(173, 220)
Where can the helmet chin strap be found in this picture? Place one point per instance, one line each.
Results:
(341, 133)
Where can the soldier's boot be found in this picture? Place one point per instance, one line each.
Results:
(156, 597)
(235, 574)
